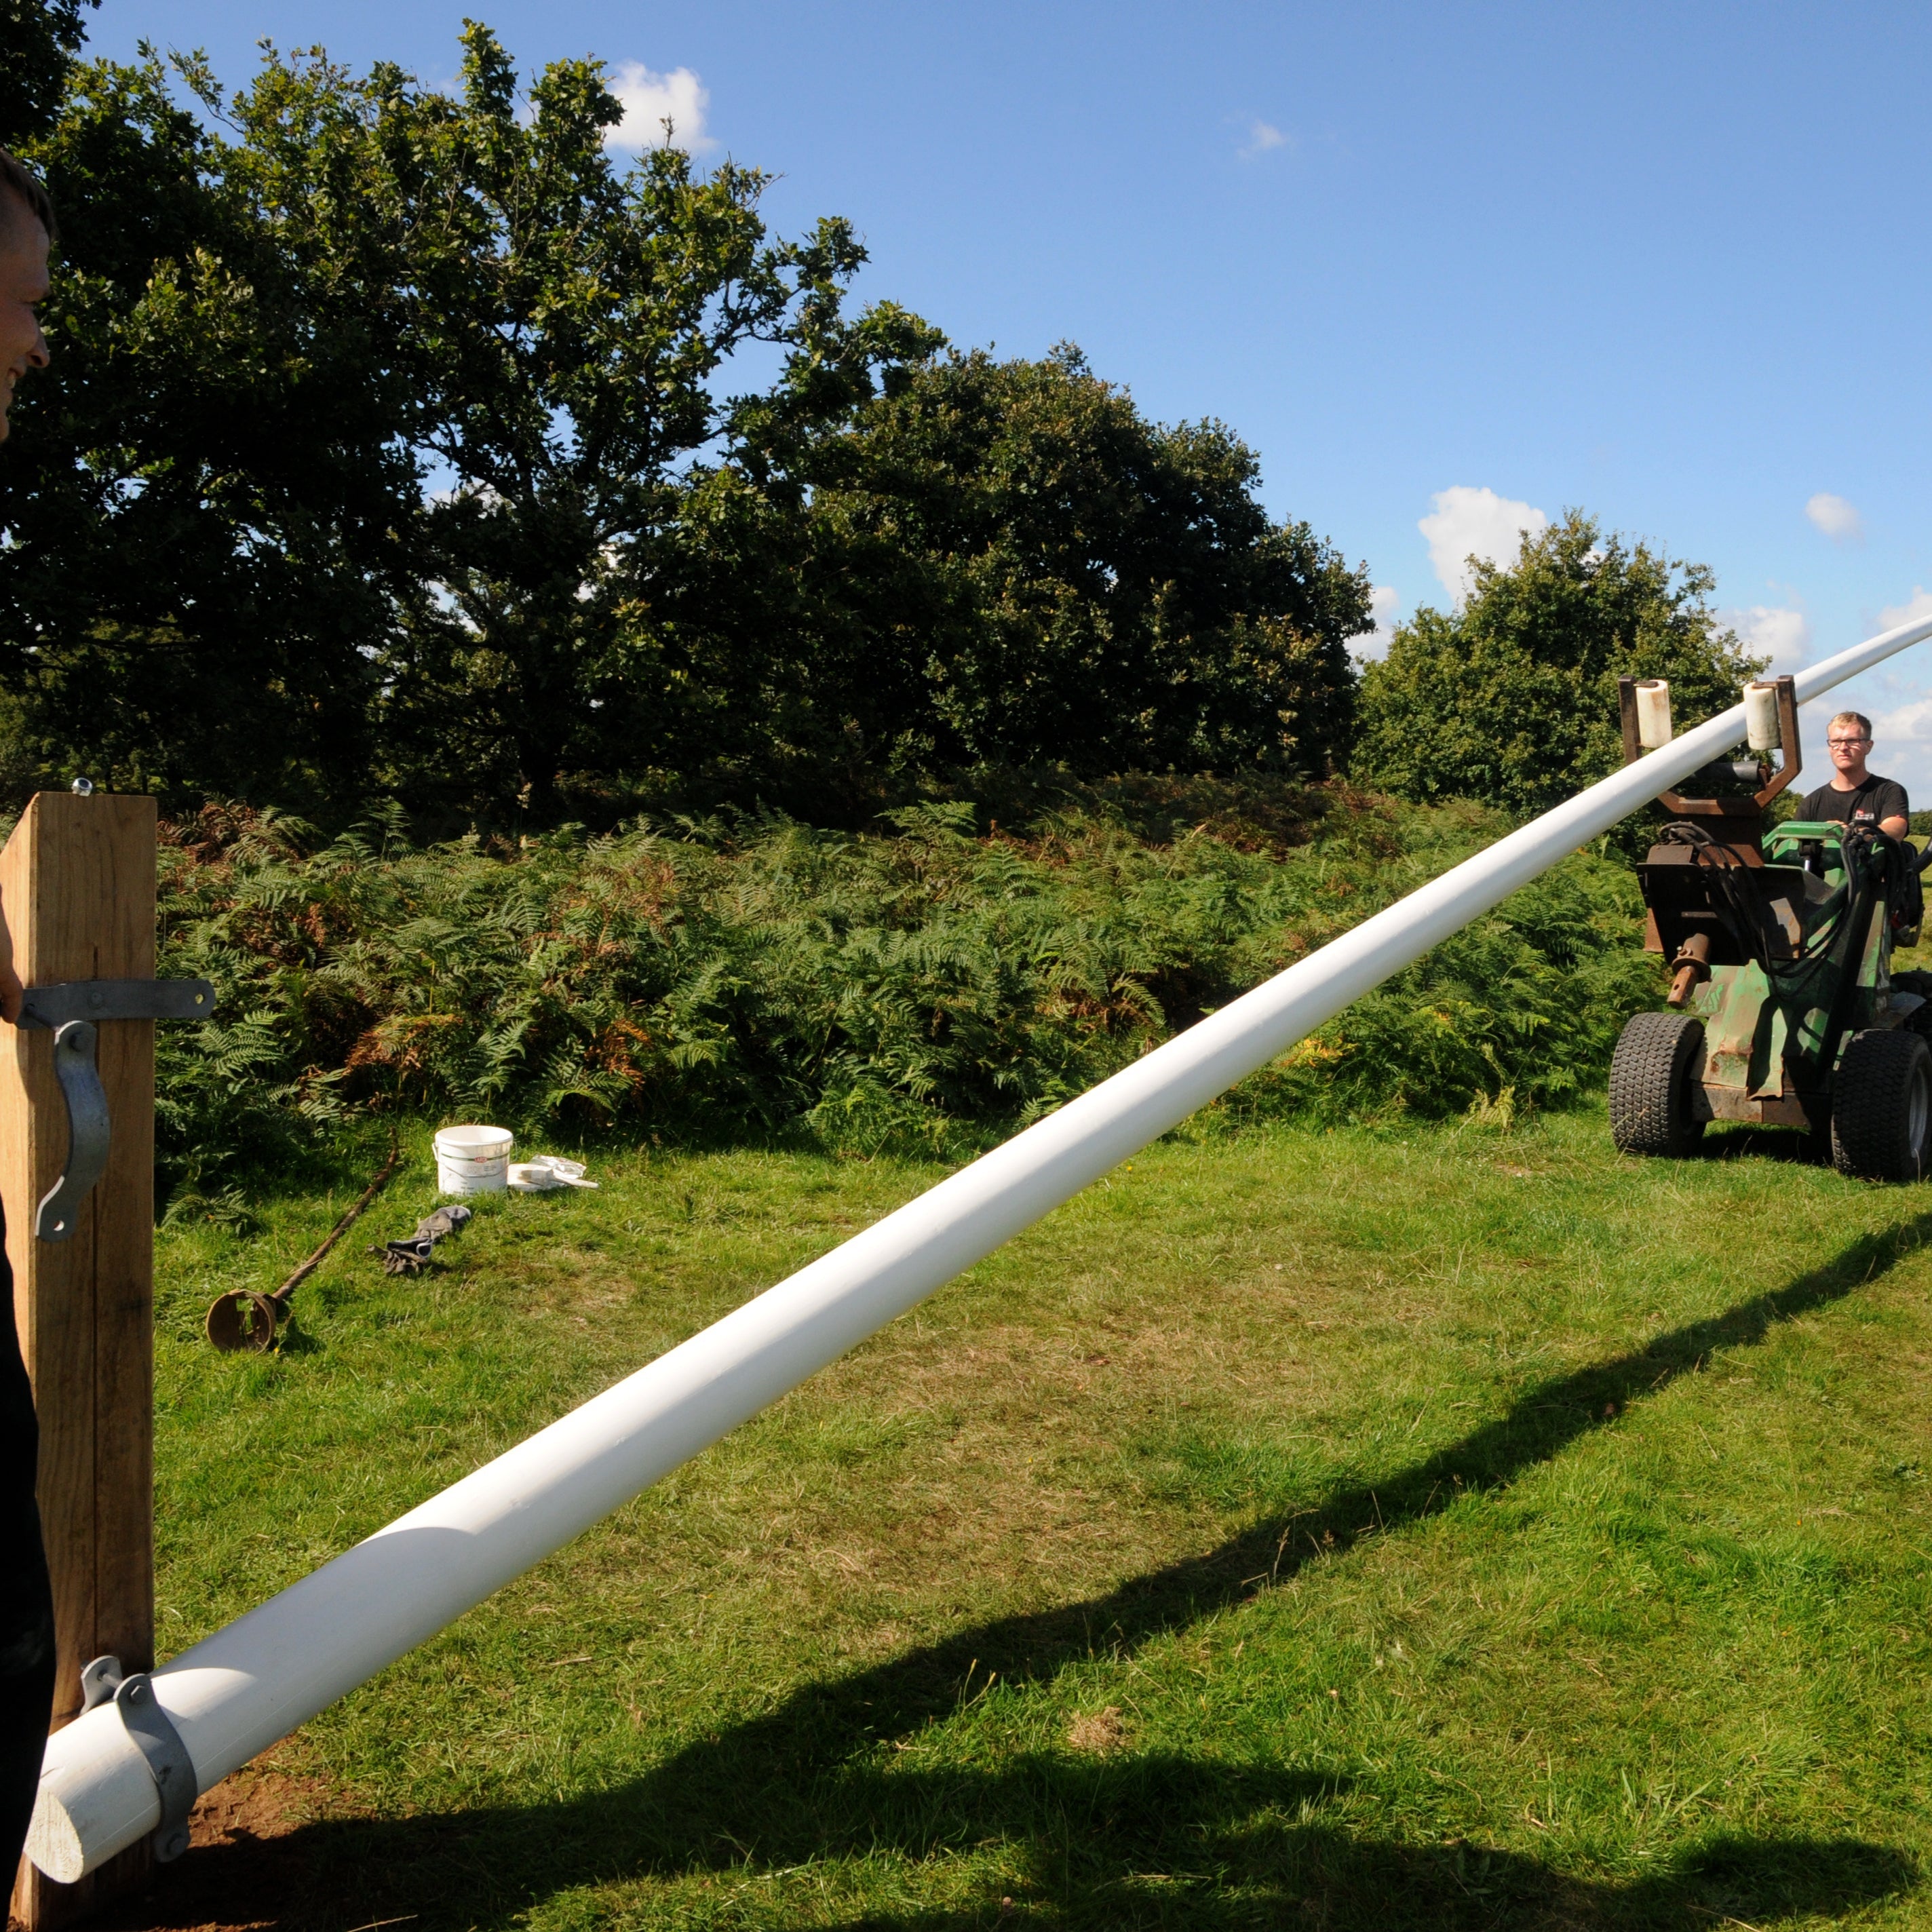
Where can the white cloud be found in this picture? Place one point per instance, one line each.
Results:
(1261, 138)
(1902, 746)
(1912, 721)
(1902, 739)
(1772, 631)
(649, 99)
(1476, 523)
(1384, 603)
(1915, 608)
(1839, 520)
(1903, 735)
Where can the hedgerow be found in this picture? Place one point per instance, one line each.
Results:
(931, 986)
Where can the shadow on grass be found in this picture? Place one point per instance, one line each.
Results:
(1089, 1845)
(1130, 1840)
(1733, 1142)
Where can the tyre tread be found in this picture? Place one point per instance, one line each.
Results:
(1871, 1105)
(1650, 1111)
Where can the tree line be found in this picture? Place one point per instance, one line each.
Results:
(394, 446)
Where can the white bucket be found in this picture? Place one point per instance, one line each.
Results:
(473, 1160)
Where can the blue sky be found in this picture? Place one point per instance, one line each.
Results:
(1439, 264)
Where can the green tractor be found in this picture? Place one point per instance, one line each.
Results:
(1783, 1009)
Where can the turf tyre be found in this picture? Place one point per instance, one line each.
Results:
(1650, 1085)
(1881, 1106)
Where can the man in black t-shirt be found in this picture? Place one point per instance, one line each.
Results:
(1854, 796)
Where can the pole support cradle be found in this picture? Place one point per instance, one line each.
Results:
(153, 1731)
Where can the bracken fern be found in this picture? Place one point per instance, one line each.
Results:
(928, 986)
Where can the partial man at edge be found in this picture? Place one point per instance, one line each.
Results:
(1856, 796)
(26, 1603)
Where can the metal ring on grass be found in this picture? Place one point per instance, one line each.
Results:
(242, 1319)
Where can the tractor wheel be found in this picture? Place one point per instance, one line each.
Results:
(1881, 1106)
(1650, 1085)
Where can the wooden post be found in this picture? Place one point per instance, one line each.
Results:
(77, 888)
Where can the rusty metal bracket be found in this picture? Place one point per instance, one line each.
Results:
(1791, 756)
(1791, 750)
(69, 1011)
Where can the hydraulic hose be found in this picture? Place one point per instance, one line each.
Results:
(1741, 903)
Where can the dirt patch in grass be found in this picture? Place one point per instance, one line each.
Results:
(254, 1806)
(246, 1869)
(1099, 1732)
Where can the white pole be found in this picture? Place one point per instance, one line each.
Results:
(240, 1691)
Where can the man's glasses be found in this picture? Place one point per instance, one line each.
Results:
(1837, 743)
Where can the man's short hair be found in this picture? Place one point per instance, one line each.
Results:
(1857, 718)
(20, 188)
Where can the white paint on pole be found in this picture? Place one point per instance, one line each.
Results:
(240, 1691)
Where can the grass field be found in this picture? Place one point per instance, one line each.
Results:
(1450, 1527)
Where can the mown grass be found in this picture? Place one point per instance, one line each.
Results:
(1361, 1527)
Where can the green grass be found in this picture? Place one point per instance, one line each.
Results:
(1349, 1529)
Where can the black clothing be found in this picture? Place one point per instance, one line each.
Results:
(1877, 798)
(26, 1602)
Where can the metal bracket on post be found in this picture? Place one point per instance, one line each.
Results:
(169, 1765)
(69, 1012)
(88, 1129)
(99, 1681)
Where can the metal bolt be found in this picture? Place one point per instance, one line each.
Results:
(82, 788)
